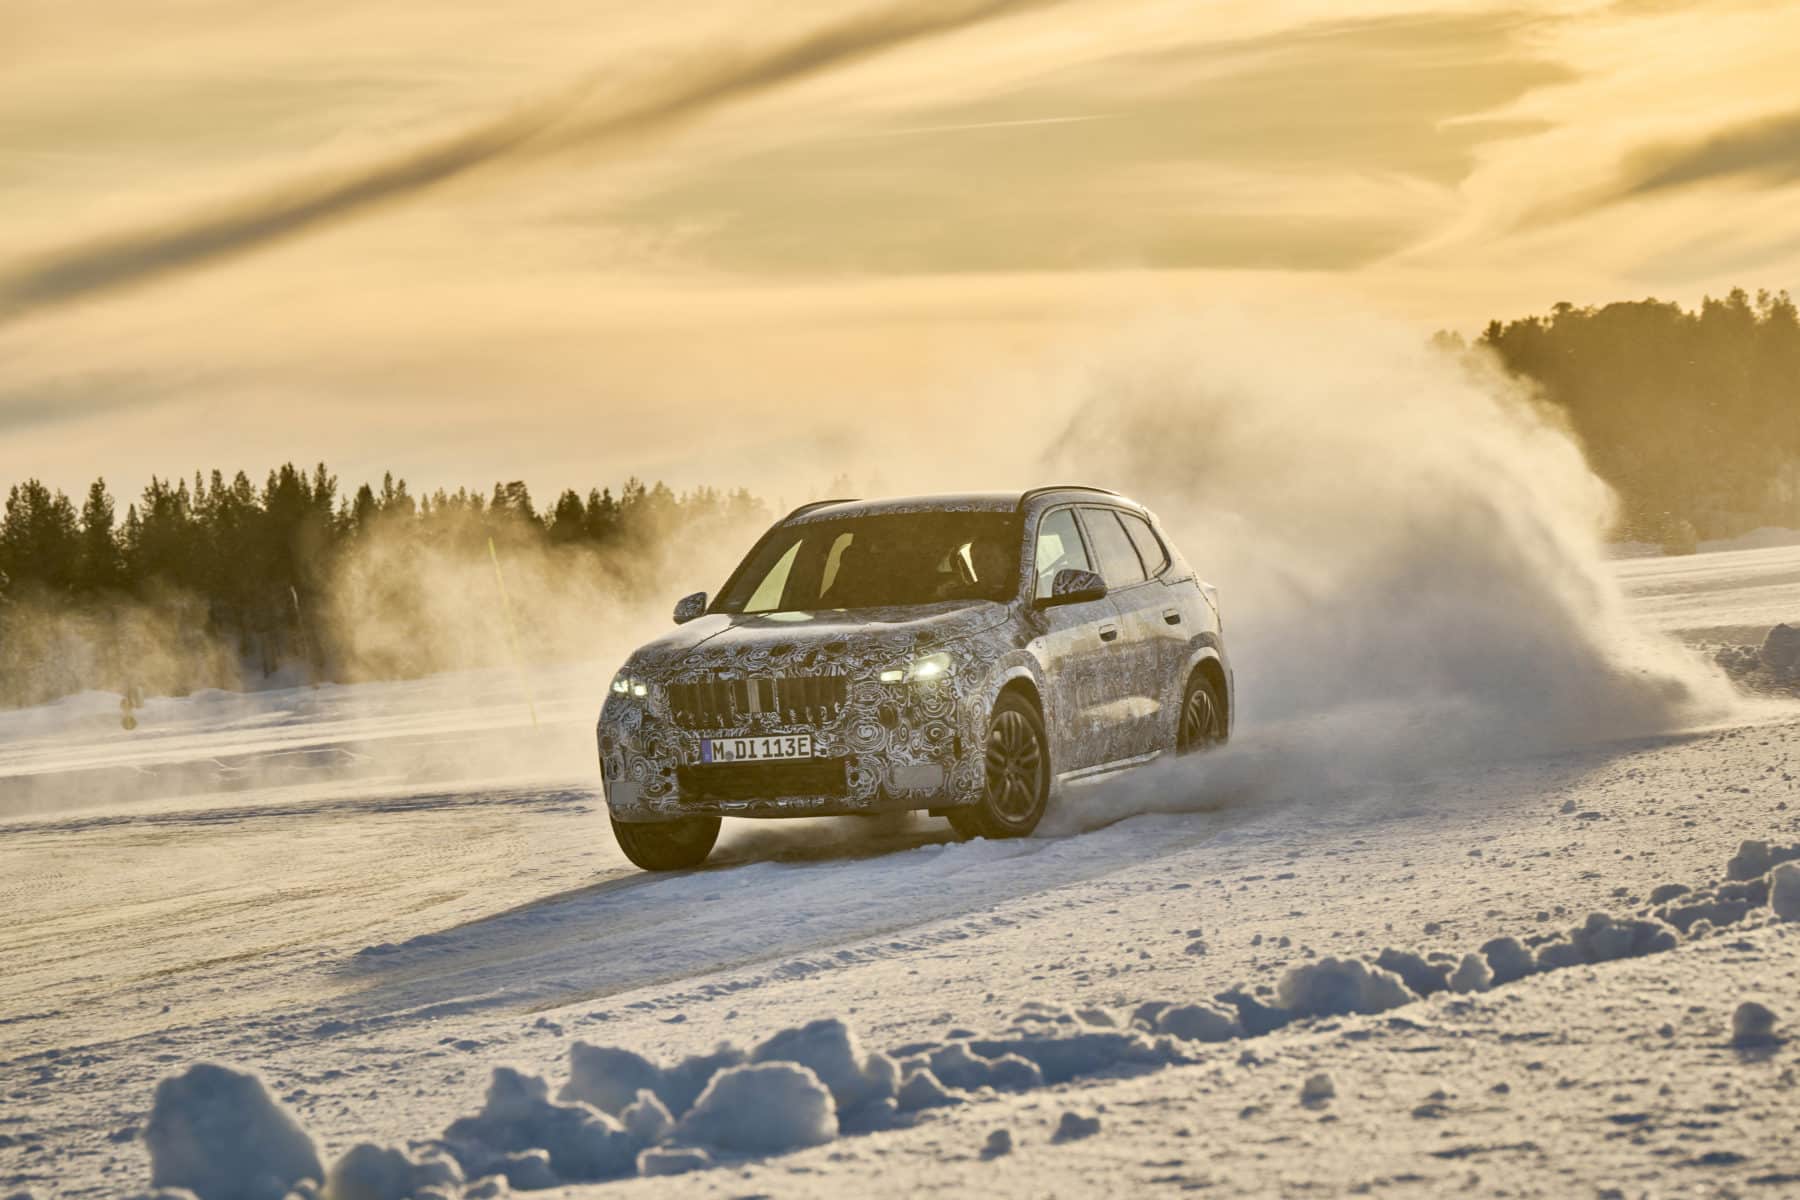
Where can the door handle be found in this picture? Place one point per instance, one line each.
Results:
(1172, 616)
(1108, 632)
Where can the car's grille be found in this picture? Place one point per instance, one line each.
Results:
(709, 703)
(762, 781)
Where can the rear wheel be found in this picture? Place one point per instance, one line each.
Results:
(1202, 717)
(667, 845)
(1018, 774)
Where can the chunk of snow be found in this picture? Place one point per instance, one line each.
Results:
(371, 1172)
(610, 1078)
(582, 1142)
(1784, 891)
(1335, 986)
(1508, 959)
(528, 1170)
(1317, 1090)
(762, 1108)
(218, 1133)
(998, 1143)
(922, 1090)
(1066, 1056)
(489, 1187)
(673, 1160)
(646, 1119)
(1472, 975)
(1604, 938)
(1752, 1024)
(1200, 1023)
(1424, 978)
(607, 1077)
(1074, 1126)
(958, 1066)
(829, 1049)
(1756, 859)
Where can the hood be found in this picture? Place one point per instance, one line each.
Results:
(807, 641)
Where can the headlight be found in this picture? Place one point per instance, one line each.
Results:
(920, 670)
(630, 685)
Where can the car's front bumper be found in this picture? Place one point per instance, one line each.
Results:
(889, 748)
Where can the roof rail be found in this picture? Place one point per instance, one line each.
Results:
(1027, 497)
(812, 504)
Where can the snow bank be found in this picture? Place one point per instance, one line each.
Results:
(1508, 959)
(218, 1133)
(1334, 987)
(581, 1142)
(762, 1108)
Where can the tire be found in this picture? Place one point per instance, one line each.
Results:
(1201, 725)
(667, 845)
(1018, 774)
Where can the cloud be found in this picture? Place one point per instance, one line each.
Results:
(1767, 149)
(560, 124)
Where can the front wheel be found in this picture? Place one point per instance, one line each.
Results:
(1018, 775)
(667, 845)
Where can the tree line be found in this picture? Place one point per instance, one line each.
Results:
(223, 561)
(1693, 416)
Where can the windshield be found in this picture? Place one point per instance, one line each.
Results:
(877, 561)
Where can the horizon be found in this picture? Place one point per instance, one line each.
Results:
(590, 247)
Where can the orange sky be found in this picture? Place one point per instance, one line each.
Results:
(824, 260)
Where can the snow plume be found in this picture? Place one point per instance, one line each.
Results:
(1408, 545)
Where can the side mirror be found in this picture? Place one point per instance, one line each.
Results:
(689, 607)
(1070, 586)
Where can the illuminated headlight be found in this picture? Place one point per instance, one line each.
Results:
(920, 670)
(630, 685)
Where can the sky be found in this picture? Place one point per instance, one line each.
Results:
(752, 243)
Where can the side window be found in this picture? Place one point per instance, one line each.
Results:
(768, 593)
(1149, 546)
(1059, 548)
(1119, 563)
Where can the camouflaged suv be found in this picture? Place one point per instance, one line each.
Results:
(964, 654)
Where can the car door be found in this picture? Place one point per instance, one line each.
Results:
(1177, 614)
(1074, 644)
(1135, 667)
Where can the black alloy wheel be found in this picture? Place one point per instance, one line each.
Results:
(1018, 775)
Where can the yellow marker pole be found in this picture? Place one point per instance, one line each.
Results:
(512, 633)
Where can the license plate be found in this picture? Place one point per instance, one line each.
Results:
(756, 749)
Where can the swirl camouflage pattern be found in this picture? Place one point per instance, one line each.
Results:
(873, 656)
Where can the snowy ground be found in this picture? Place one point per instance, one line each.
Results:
(373, 896)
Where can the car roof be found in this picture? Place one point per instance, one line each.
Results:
(830, 510)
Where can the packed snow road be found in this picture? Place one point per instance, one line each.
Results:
(373, 895)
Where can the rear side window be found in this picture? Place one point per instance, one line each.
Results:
(1059, 548)
(1149, 546)
(1119, 562)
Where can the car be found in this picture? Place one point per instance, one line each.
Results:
(967, 655)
